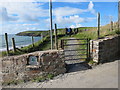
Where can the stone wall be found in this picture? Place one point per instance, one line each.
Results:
(104, 50)
(32, 65)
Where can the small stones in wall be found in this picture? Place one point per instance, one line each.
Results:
(19, 66)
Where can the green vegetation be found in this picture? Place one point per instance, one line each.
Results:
(84, 33)
(91, 34)
(43, 78)
(12, 82)
(35, 79)
(38, 46)
(32, 33)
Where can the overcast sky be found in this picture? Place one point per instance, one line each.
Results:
(34, 15)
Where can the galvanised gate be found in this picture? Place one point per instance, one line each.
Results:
(76, 49)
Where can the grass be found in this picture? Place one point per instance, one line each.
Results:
(43, 78)
(38, 46)
(12, 82)
(33, 33)
(92, 35)
(36, 79)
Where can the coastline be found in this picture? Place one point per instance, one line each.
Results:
(21, 41)
(11, 48)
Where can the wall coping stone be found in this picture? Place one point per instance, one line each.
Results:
(30, 54)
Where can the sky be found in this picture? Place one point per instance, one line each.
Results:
(18, 16)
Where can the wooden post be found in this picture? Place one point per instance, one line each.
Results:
(41, 36)
(6, 39)
(111, 26)
(32, 41)
(88, 49)
(98, 25)
(56, 41)
(13, 43)
(119, 15)
(62, 44)
(51, 28)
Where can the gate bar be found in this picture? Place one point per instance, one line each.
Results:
(75, 55)
(74, 39)
(75, 50)
(74, 44)
(74, 59)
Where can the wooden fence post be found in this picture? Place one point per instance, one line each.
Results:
(111, 26)
(32, 41)
(7, 46)
(98, 26)
(13, 43)
(88, 49)
(41, 36)
(62, 44)
(56, 38)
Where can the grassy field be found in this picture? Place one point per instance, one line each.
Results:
(91, 33)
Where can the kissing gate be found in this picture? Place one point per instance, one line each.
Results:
(76, 49)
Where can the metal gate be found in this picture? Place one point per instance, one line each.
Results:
(76, 49)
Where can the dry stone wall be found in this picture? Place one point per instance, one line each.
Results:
(30, 65)
(104, 50)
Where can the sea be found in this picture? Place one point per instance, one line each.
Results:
(20, 41)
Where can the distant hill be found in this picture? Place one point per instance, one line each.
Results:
(38, 33)
(32, 33)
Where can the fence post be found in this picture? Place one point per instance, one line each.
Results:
(98, 25)
(6, 39)
(88, 49)
(13, 43)
(41, 36)
(62, 44)
(111, 25)
(32, 41)
(56, 41)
